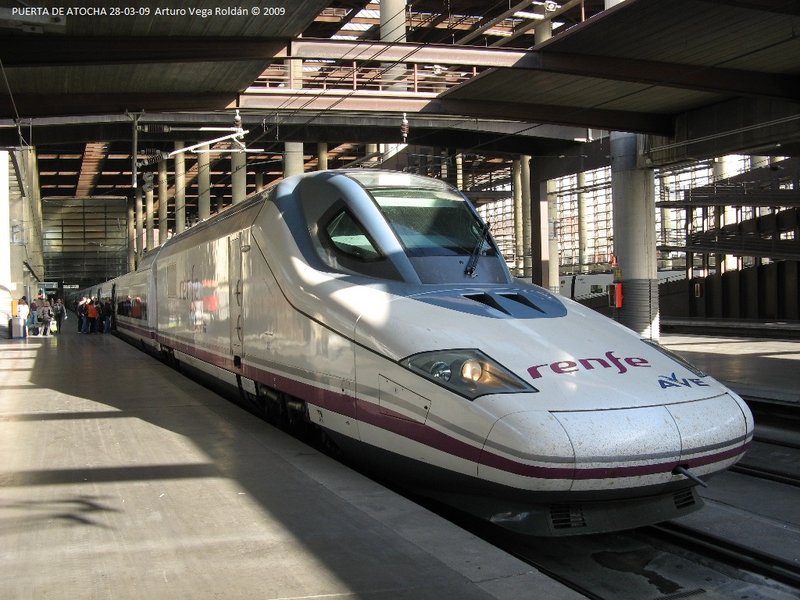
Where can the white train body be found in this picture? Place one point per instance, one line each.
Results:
(350, 294)
(582, 286)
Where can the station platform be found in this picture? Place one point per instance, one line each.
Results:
(755, 367)
(122, 479)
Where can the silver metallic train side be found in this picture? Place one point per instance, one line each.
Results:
(339, 297)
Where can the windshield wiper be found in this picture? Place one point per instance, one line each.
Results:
(476, 251)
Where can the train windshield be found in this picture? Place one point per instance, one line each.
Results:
(432, 222)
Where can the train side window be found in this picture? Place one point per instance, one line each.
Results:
(172, 281)
(349, 237)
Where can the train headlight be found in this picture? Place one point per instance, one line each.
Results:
(471, 370)
(441, 370)
(469, 373)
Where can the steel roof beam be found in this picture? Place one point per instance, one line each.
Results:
(694, 77)
(612, 120)
(662, 74)
(400, 102)
(60, 51)
(45, 105)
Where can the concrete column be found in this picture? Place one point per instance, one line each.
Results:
(149, 216)
(259, 182)
(293, 151)
(34, 244)
(371, 149)
(667, 183)
(6, 285)
(238, 177)
(725, 167)
(292, 158)
(15, 230)
(131, 235)
(551, 275)
(163, 203)
(322, 156)
(220, 202)
(527, 236)
(294, 72)
(139, 225)
(554, 272)
(203, 184)
(543, 30)
(516, 190)
(548, 199)
(540, 247)
(180, 189)
(583, 242)
(633, 194)
(459, 158)
(393, 29)
(393, 20)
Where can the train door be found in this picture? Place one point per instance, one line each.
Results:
(236, 287)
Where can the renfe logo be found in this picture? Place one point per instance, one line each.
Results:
(608, 361)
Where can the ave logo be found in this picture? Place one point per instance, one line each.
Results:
(671, 381)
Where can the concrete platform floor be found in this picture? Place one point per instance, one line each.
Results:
(764, 368)
(122, 479)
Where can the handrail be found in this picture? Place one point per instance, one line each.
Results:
(356, 76)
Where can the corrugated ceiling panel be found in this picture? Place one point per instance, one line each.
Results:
(686, 31)
(173, 77)
(567, 90)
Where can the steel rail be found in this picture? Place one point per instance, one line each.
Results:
(740, 556)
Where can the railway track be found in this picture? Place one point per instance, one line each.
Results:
(671, 561)
(736, 554)
(692, 559)
(775, 452)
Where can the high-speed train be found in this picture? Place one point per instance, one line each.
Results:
(582, 286)
(375, 306)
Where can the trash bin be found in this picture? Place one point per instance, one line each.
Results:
(17, 328)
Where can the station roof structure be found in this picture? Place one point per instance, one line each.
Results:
(704, 75)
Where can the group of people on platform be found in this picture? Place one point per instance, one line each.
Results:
(94, 316)
(44, 317)
(41, 317)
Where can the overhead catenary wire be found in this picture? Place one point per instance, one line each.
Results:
(17, 119)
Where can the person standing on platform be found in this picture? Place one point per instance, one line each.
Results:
(80, 310)
(23, 310)
(59, 313)
(33, 318)
(108, 309)
(45, 316)
(91, 317)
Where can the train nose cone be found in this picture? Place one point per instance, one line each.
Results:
(612, 449)
(715, 432)
(622, 448)
(529, 447)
